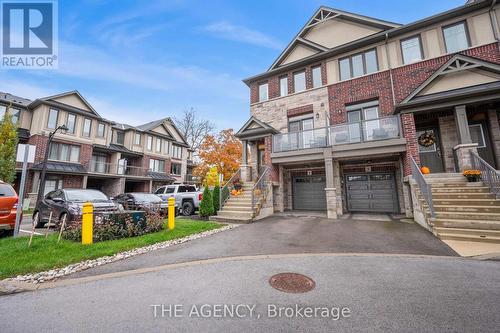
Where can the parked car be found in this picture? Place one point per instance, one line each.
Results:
(142, 201)
(187, 197)
(8, 208)
(69, 203)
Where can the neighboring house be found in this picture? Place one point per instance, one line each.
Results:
(97, 153)
(339, 114)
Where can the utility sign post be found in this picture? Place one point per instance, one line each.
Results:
(25, 154)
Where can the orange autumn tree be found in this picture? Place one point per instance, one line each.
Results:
(222, 151)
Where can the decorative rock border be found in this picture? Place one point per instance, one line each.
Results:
(83, 265)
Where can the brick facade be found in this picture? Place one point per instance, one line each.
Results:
(298, 111)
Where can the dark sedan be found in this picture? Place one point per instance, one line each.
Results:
(142, 201)
(69, 203)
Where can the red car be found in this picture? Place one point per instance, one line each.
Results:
(8, 208)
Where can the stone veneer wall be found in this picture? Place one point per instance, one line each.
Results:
(449, 139)
(495, 133)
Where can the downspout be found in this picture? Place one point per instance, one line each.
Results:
(390, 68)
(494, 22)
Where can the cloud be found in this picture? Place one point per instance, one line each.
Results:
(229, 31)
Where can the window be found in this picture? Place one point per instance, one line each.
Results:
(52, 122)
(150, 142)
(411, 49)
(158, 145)
(363, 121)
(316, 77)
(51, 184)
(456, 37)
(477, 135)
(166, 147)
(176, 151)
(71, 123)
(263, 92)
(14, 113)
(161, 190)
(284, 86)
(301, 125)
(137, 139)
(299, 81)
(87, 125)
(101, 128)
(99, 164)
(358, 64)
(120, 137)
(64, 152)
(176, 169)
(157, 165)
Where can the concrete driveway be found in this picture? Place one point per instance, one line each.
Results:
(290, 235)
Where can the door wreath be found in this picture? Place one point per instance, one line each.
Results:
(427, 139)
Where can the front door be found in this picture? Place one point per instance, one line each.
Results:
(430, 156)
(480, 134)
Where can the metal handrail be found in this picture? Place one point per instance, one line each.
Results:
(261, 186)
(225, 191)
(425, 187)
(489, 175)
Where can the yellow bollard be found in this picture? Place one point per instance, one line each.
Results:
(87, 223)
(171, 213)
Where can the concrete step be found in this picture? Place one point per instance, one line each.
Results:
(237, 208)
(457, 184)
(230, 219)
(475, 235)
(456, 196)
(468, 209)
(225, 212)
(468, 189)
(238, 204)
(239, 200)
(465, 202)
(468, 216)
(467, 224)
(444, 175)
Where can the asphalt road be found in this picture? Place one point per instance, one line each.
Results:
(382, 293)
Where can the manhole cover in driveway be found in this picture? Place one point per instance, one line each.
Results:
(292, 283)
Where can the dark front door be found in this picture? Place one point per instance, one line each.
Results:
(481, 135)
(431, 156)
(309, 193)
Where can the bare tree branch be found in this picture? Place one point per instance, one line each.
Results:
(193, 128)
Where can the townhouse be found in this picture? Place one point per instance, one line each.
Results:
(353, 102)
(94, 152)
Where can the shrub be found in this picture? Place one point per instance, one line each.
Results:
(206, 205)
(116, 226)
(216, 198)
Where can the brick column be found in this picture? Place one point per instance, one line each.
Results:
(410, 134)
(267, 158)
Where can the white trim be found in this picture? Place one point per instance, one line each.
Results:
(482, 135)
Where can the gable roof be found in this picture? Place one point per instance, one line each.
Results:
(69, 93)
(161, 122)
(457, 63)
(324, 14)
(248, 131)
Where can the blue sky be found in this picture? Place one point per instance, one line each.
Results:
(138, 61)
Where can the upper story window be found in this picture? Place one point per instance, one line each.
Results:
(64, 152)
(120, 137)
(150, 142)
(87, 127)
(52, 121)
(263, 92)
(456, 37)
(166, 147)
(175, 168)
(137, 138)
(14, 113)
(411, 49)
(316, 77)
(157, 165)
(283, 85)
(299, 81)
(158, 145)
(101, 129)
(358, 64)
(300, 125)
(176, 151)
(71, 123)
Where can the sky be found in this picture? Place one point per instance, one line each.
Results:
(138, 61)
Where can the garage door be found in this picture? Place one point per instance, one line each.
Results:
(371, 193)
(309, 193)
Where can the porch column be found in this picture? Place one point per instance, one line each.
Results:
(410, 134)
(331, 192)
(462, 125)
(84, 181)
(246, 171)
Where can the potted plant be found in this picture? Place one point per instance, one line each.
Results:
(472, 175)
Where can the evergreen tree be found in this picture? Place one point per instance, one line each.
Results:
(8, 146)
(206, 205)
(216, 198)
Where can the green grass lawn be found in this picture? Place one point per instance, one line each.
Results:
(45, 254)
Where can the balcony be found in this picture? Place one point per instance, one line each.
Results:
(98, 167)
(361, 132)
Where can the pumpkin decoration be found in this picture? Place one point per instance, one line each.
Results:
(427, 139)
(258, 192)
(425, 170)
